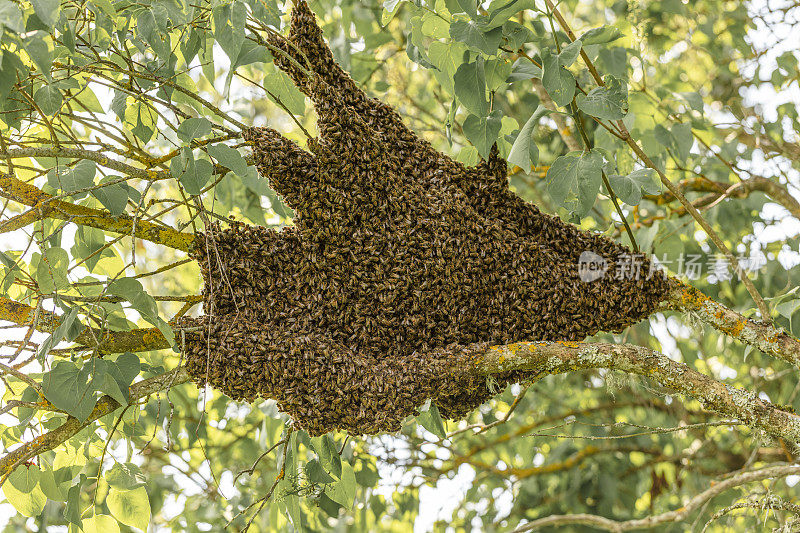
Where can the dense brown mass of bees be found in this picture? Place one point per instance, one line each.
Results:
(400, 260)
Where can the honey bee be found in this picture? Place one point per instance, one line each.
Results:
(401, 267)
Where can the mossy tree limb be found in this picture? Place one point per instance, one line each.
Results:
(46, 206)
(541, 358)
(762, 335)
(548, 358)
(103, 342)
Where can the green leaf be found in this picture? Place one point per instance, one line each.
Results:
(106, 7)
(55, 483)
(625, 189)
(647, 180)
(192, 173)
(72, 511)
(694, 100)
(470, 34)
(64, 330)
(328, 506)
(497, 72)
(469, 84)
(367, 475)
(116, 376)
(39, 52)
(788, 308)
(125, 476)
(48, 11)
(614, 61)
(90, 246)
(11, 17)
(344, 491)
(69, 388)
(74, 178)
(229, 158)
(130, 507)
(603, 34)
(317, 474)
(114, 197)
(131, 290)
(446, 57)
(252, 53)
(127, 368)
(502, 10)
(524, 70)
(229, 28)
(89, 100)
(516, 35)
(462, 6)
(431, 420)
(524, 152)
(105, 382)
(119, 104)
(26, 504)
(328, 454)
(390, 9)
(574, 180)
(143, 120)
(682, 134)
(483, 132)
(266, 11)
(609, 102)
(281, 88)
(100, 523)
(49, 99)
(193, 128)
(25, 478)
(51, 271)
(149, 30)
(175, 9)
(570, 53)
(557, 81)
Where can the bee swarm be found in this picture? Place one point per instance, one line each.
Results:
(401, 261)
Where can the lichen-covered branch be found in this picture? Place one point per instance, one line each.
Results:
(77, 153)
(106, 342)
(539, 358)
(761, 335)
(46, 206)
(678, 515)
(72, 426)
(23, 315)
(546, 358)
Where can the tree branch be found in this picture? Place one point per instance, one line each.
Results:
(546, 358)
(761, 335)
(668, 517)
(78, 153)
(106, 342)
(541, 358)
(72, 426)
(45, 205)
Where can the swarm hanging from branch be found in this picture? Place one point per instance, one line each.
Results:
(399, 260)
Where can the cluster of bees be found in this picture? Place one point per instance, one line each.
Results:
(400, 261)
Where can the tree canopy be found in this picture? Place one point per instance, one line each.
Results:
(670, 127)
